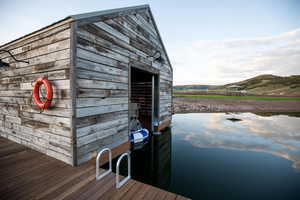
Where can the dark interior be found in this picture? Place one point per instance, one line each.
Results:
(141, 93)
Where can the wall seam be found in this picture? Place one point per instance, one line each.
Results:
(73, 88)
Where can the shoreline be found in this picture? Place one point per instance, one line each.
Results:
(208, 105)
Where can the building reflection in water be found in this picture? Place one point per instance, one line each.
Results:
(152, 163)
(224, 156)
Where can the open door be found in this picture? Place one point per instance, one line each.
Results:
(143, 94)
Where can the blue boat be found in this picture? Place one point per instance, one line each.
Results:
(138, 134)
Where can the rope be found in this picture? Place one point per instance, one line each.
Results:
(3, 50)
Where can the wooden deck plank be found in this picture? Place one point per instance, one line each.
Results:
(4, 144)
(112, 191)
(16, 173)
(94, 187)
(179, 197)
(142, 191)
(85, 190)
(9, 174)
(11, 149)
(161, 194)
(23, 183)
(34, 176)
(95, 193)
(66, 183)
(132, 191)
(151, 193)
(54, 180)
(76, 187)
(13, 159)
(170, 196)
(123, 190)
(27, 174)
(59, 179)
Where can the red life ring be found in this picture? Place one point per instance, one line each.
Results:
(36, 93)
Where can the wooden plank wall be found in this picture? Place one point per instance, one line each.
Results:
(104, 50)
(165, 74)
(48, 53)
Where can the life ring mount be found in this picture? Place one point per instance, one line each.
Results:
(36, 93)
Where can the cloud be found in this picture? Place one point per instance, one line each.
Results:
(225, 61)
(278, 135)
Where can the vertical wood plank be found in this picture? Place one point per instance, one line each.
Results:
(73, 88)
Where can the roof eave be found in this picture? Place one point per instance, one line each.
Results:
(107, 12)
(160, 39)
(66, 20)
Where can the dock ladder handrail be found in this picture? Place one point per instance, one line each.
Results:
(118, 183)
(100, 176)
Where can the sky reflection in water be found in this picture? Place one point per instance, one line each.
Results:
(278, 134)
(224, 156)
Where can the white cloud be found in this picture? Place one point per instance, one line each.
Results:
(225, 61)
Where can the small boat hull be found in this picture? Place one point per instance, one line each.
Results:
(139, 136)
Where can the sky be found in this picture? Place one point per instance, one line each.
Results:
(208, 42)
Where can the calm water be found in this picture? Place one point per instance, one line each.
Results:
(224, 156)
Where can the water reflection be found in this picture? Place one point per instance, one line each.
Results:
(279, 134)
(224, 156)
(152, 164)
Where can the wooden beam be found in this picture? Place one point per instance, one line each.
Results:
(73, 88)
(144, 67)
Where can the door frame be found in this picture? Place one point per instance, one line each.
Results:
(155, 73)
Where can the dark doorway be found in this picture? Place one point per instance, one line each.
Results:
(144, 93)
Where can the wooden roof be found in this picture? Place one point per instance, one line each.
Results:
(125, 10)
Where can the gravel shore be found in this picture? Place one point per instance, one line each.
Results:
(186, 105)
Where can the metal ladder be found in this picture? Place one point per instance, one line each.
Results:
(118, 183)
(101, 176)
(98, 175)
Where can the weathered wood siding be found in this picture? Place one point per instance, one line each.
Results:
(104, 50)
(49, 55)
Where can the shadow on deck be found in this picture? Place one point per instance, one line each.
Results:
(27, 174)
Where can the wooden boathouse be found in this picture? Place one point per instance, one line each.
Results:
(99, 64)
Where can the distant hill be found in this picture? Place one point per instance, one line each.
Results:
(270, 85)
(266, 84)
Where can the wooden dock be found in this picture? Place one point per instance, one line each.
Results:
(28, 174)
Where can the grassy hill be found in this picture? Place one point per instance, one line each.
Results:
(270, 85)
(260, 85)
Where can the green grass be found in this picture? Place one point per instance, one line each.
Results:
(237, 97)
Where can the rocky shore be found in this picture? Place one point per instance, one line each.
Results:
(187, 105)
